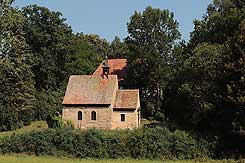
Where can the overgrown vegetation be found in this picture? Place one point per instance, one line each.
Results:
(38, 52)
(145, 143)
(197, 86)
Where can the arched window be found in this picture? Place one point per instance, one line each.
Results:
(80, 115)
(93, 115)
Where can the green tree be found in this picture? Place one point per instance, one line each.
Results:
(220, 23)
(99, 45)
(48, 102)
(83, 57)
(17, 84)
(195, 90)
(48, 37)
(152, 37)
(218, 93)
(118, 48)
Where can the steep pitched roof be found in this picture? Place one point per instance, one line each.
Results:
(117, 67)
(88, 89)
(127, 99)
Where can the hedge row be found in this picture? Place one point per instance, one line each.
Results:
(145, 143)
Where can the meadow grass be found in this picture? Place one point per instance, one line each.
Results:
(49, 159)
(37, 125)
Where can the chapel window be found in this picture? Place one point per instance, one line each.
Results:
(93, 115)
(80, 115)
(123, 117)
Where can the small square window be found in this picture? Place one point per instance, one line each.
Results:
(123, 117)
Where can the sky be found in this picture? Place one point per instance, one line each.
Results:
(108, 18)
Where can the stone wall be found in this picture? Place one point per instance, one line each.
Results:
(106, 118)
(103, 117)
(131, 119)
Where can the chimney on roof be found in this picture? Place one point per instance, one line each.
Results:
(105, 67)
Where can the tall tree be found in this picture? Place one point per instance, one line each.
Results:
(99, 45)
(218, 40)
(17, 84)
(195, 91)
(152, 37)
(220, 23)
(83, 56)
(48, 36)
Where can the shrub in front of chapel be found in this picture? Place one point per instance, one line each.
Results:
(145, 143)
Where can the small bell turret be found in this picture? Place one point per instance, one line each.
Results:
(106, 67)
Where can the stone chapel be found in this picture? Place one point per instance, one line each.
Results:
(95, 101)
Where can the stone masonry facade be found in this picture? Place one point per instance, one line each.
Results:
(94, 101)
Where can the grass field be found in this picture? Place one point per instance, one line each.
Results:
(38, 125)
(47, 159)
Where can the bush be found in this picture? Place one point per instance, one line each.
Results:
(159, 116)
(145, 143)
(9, 119)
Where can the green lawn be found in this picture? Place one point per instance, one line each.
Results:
(38, 125)
(48, 159)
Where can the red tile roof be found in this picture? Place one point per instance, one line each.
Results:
(88, 89)
(117, 67)
(127, 99)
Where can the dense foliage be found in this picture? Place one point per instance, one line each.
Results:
(17, 92)
(38, 52)
(151, 40)
(197, 86)
(209, 90)
(156, 143)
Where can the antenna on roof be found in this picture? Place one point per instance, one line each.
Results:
(106, 67)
